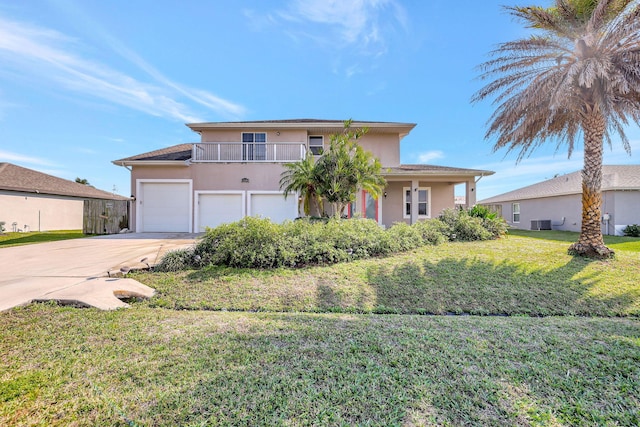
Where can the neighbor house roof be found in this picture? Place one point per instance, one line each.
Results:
(614, 177)
(175, 153)
(19, 179)
(433, 170)
(311, 125)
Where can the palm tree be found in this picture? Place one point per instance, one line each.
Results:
(301, 177)
(345, 168)
(579, 76)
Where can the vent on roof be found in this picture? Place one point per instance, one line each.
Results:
(541, 224)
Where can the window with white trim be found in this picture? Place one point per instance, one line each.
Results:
(316, 145)
(516, 212)
(254, 145)
(424, 202)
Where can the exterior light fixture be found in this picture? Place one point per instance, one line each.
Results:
(385, 194)
(245, 180)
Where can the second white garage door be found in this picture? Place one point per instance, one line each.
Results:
(219, 208)
(273, 206)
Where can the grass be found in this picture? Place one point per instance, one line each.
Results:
(156, 364)
(519, 275)
(144, 366)
(18, 239)
(617, 243)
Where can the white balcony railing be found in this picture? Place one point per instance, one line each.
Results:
(228, 152)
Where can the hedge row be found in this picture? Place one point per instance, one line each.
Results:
(259, 243)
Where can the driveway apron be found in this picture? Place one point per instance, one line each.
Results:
(80, 268)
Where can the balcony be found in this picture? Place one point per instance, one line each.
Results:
(254, 152)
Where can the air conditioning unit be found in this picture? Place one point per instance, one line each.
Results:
(541, 224)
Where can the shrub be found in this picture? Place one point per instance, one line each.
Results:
(251, 242)
(461, 225)
(632, 230)
(403, 237)
(470, 228)
(480, 211)
(258, 243)
(180, 259)
(432, 231)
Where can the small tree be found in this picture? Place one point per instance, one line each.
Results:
(301, 177)
(346, 167)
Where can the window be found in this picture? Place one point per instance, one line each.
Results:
(316, 144)
(254, 146)
(516, 212)
(424, 195)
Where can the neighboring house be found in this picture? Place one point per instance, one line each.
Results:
(234, 171)
(34, 201)
(557, 203)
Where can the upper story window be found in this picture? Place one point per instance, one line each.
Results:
(516, 212)
(316, 145)
(423, 202)
(253, 145)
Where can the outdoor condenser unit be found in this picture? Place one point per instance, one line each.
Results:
(541, 224)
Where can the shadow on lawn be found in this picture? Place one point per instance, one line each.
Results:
(473, 286)
(374, 370)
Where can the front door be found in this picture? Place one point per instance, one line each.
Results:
(369, 206)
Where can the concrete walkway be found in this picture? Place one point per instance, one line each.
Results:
(77, 271)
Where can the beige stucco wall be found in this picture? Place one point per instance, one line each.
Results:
(386, 147)
(40, 212)
(442, 197)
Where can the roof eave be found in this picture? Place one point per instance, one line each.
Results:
(402, 128)
(125, 163)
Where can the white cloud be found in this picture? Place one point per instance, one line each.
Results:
(50, 57)
(430, 156)
(363, 24)
(8, 156)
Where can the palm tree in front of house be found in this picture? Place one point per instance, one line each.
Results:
(579, 76)
(301, 178)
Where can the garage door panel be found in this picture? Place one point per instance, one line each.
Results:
(274, 206)
(217, 209)
(165, 207)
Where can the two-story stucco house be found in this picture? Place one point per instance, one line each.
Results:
(234, 171)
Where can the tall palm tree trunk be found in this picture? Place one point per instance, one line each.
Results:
(591, 242)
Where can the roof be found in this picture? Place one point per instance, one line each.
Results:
(311, 125)
(614, 177)
(433, 170)
(17, 178)
(180, 152)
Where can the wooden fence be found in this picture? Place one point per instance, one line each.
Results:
(105, 216)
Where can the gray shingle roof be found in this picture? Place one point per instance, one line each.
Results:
(175, 152)
(17, 178)
(433, 170)
(614, 177)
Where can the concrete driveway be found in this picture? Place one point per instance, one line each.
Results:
(77, 270)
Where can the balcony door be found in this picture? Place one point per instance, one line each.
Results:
(254, 146)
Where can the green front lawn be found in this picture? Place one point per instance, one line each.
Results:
(17, 239)
(517, 275)
(166, 362)
(150, 367)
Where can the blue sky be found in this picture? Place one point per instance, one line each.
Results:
(84, 82)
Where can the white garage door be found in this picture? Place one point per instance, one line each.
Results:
(164, 207)
(274, 206)
(216, 209)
